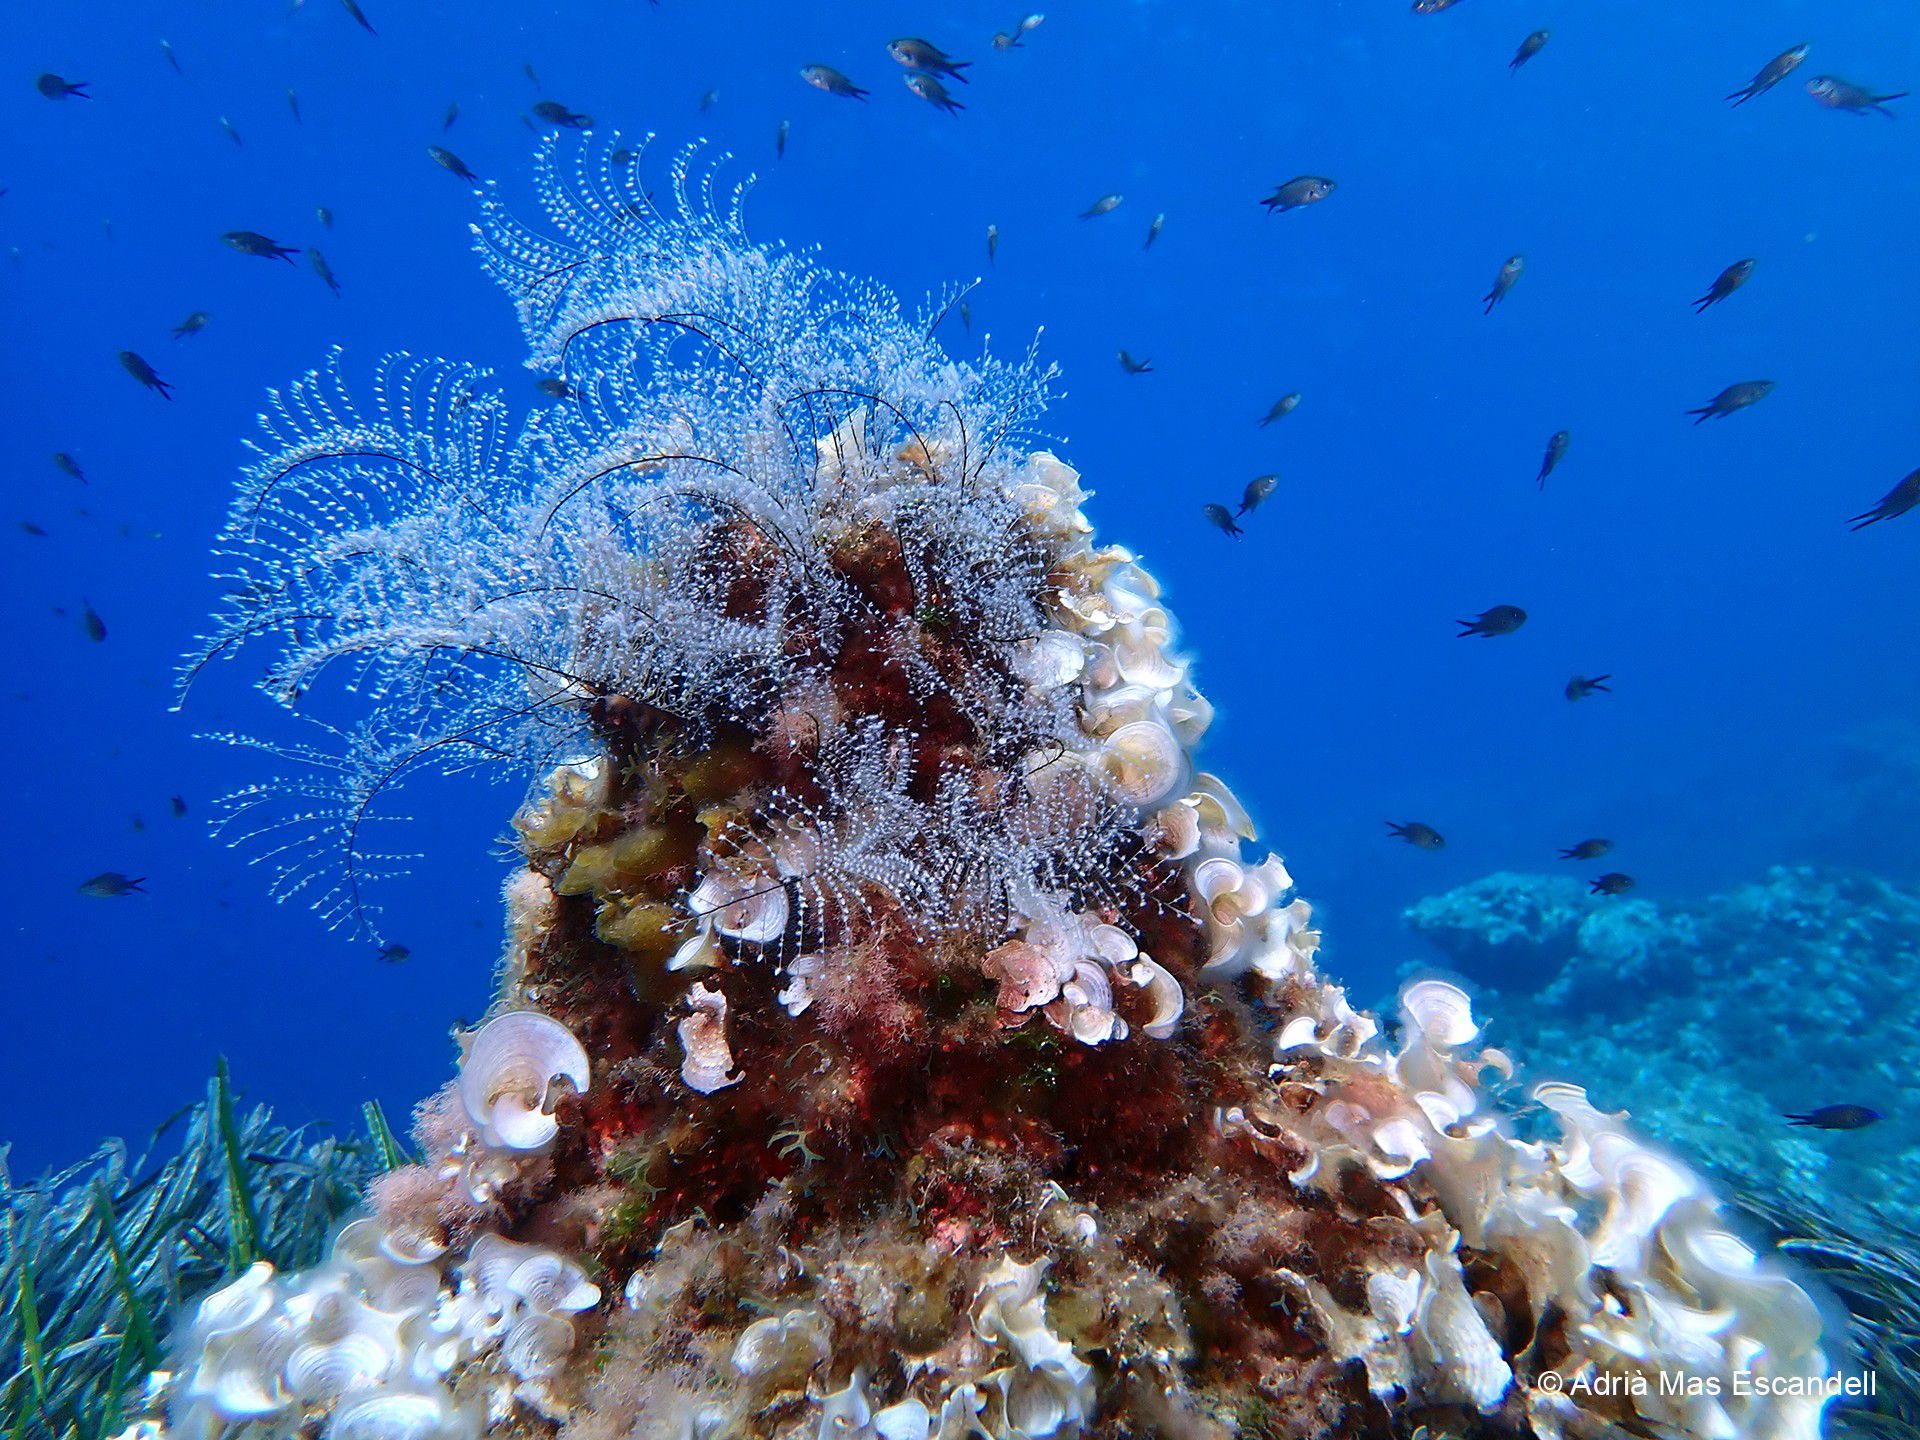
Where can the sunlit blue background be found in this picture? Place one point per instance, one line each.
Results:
(1764, 655)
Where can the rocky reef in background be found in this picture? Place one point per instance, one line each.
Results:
(1711, 1020)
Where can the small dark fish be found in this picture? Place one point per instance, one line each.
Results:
(27, 527)
(1837, 94)
(1221, 516)
(932, 91)
(67, 465)
(143, 372)
(966, 317)
(1153, 230)
(1500, 620)
(526, 67)
(1282, 408)
(1734, 397)
(1301, 190)
(139, 826)
(232, 134)
(1838, 1117)
(709, 100)
(111, 884)
(453, 114)
(554, 113)
(1771, 74)
(1258, 489)
(825, 77)
(1133, 366)
(554, 388)
(1010, 40)
(192, 325)
(359, 16)
(54, 88)
(1579, 687)
(1587, 850)
(926, 58)
(623, 157)
(1724, 284)
(1896, 502)
(1432, 7)
(323, 215)
(91, 622)
(1556, 451)
(394, 954)
(178, 805)
(1529, 47)
(1504, 281)
(166, 49)
(293, 104)
(323, 270)
(993, 242)
(452, 163)
(252, 242)
(1421, 837)
(780, 140)
(1105, 205)
(1612, 883)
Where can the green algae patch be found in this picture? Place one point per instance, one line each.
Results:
(628, 862)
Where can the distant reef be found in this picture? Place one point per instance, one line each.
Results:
(1711, 1020)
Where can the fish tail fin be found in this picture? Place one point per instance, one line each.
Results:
(1865, 518)
(1701, 414)
(1799, 1119)
(139, 882)
(1597, 683)
(954, 67)
(1880, 102)
(1740, 97)
(1568, 855)
(1700, 305)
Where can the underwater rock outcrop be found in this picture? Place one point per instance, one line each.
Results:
(897, 1034)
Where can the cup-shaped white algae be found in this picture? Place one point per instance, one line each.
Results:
(509, 1273)
(357, 1360)
(393, 1414)
(781, 1351)
(1052, 659)
(1145, 761)
(744, 907)
(537, 1345)
(238, 1306)
(708, 1063)
(506, 1080)
(1441, 1012)
(1169, 1001)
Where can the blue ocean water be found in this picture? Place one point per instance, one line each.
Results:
(1764, 687)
